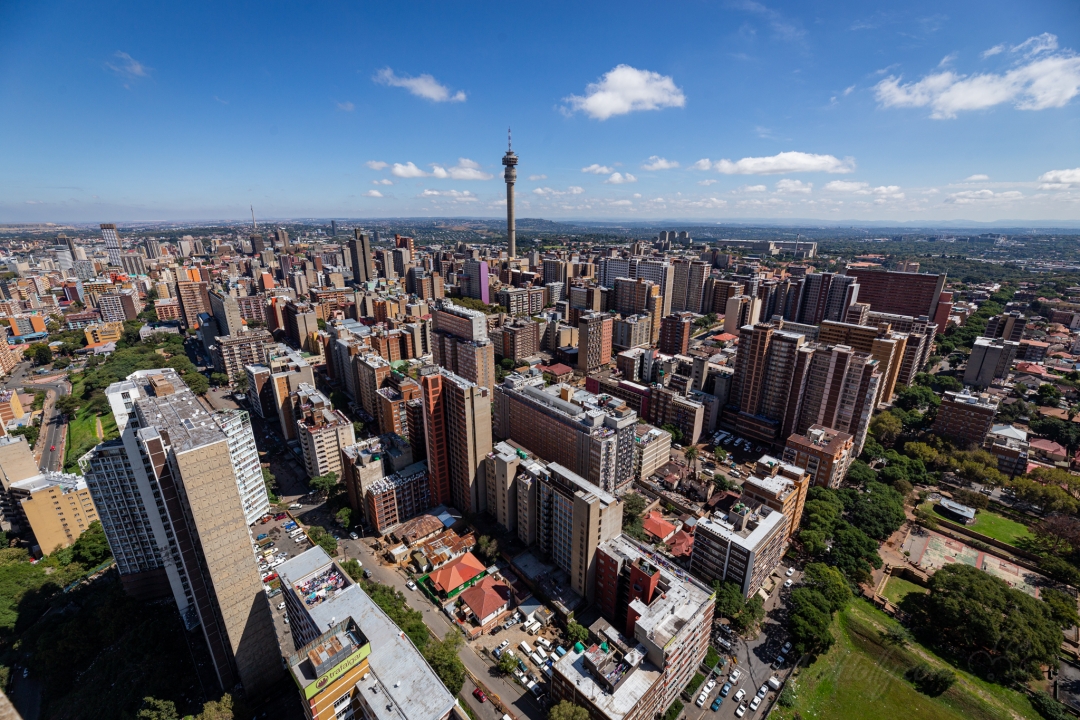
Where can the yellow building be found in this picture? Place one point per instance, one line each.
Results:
(879, 341)
(328, 669)
(57, 507)
(10, 407)
(103, 332)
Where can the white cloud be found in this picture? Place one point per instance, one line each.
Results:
(384, 181)
(460, 196)
(785, 162)
(972, 197)
(793, 186)
(708, 182)
(996, 50)
(408, 170)
(466, 169)
(373, 193)
(1048, 81)
(625, 89)
(346, 106)
(753, 189)
(376, 164)
(1060, 179)
(538, 177)
(976, 178)
(637, 195)
(575, 190)
(848, 90)
(620, 179)
(658, 163)
(424, 86)
(702, 164)
(845, 186)
(621, 203)
(127, 66)
(549, 192)
(597, 169)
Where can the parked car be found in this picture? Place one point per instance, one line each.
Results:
(790, 571)
(740, 695)
(763, 690)
(280, 516)
(367, 574)
(788, 584)
(354, 536)
(281, 606)
(411, 585)
(725, 690)
(262, 536)
(740, 711)
(716, 704)
(479, 695)
(779, 662)
(787, 647)
(296, 506)
(734, 676)
(711, 684)
(754, 704)
(701, 698)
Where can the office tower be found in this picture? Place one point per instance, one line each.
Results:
(351, 659)
(232, 353)
(840, 389)
(112, 243)
(476, 277)
(964, 418)
(779, 485)
(742, 545)
(989, 359)
(824, 453)
(194, 300)
(591, 435)
(510, 161)
(1009, 444)
(323, 431)
(174, 521)
(826, 296)
(675, 333)
(500, 468)
(688, 284)
(594, 341)
(768, 384)
(885, 346)
(1009, 326)
(460, 343)
(359, 247)
(661, 622)
(902, 293)
(258, 244)
(457, 430)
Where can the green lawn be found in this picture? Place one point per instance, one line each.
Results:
(897, 588)
(862, 677)
(82, 435)
(998, 527)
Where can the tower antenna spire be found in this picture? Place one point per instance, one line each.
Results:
(254, 227)
(509, 145)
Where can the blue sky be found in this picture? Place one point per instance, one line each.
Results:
(114, 111)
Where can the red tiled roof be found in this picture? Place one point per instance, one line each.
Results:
(1048, 446)
(486, 596)
(655, 524)
(557, 369)
(456, 573)
(724, 337)
(682, 544)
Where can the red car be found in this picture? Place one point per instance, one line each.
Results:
(52, 448)
(479, 695)
(280, 516)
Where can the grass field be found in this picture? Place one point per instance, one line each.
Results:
(897, 588)
(863, 677)
(993, 525)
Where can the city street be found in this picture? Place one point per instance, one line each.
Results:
(53, 424)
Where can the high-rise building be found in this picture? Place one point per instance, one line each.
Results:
(840, 389)
(903, 293)
(884, 345)
(194, 300)
(965, 418)
(592, 435)
(173, 524)
(779, 485)
(460, 343)
(112, 243)
(359, 247)
(631, 331)
(352, 661)
(501, 467)
(675, 333)
(1009, 326)
(824, 453)
(688, 284)
(288, 370)
(57, 507)
(111, 307)
(226, 312)
(990, 359)
(742, 546)
(510, 161)
(476, 276)
(661, 619)
(457, 430)
(232, 353)
(282, 238)
(323, 431)
(826, 296)
(594, 341)
(301, 321)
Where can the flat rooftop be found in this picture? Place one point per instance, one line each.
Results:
(173, 410)
(321, 655)
(631, 688)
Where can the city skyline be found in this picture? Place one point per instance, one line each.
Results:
(773, 113)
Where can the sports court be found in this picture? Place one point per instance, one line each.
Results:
(940, 551)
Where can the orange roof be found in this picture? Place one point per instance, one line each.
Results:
(486, 596)
(655, 524)
(456, 573)
(724, 337)
(682, 544)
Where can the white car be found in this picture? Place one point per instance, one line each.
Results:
(740, 711)
(787, 583)
(503, 644)
(411, 585)
(763, 690)
(734, 676)
(790, 572)
(281, 606)
(701, 698)
(711, 684)
(754, 704)
(739, 696)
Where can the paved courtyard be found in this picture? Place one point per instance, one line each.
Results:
(932, 551)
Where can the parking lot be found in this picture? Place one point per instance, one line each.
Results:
(285, 548)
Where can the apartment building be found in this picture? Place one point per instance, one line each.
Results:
(990, 359)
(743, 546)
(393, 401)
(517, 340)
(885, 346)
(460, 343)
(779, 485)
(594, 341)
(103, 332)
(399, 497)
(631, 331)
(56, 506)
(661, 620)
(652, 450)
(824, 453)
(289, 369)
(675, 332)
(323, 431)
(194, 299)
(902, 293)
(351, 659)
(840, 391)
(232, 353)
(964, 418)
(591, 434)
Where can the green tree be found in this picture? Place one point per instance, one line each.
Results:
(567, 710)
(442, 655)
(219, 379)
(720, 454)
(830, 582)
(878, 512)
(324, 484)
(861, 473)
(91, 548)
(886, 427)
(691, 454)
(676, 433)
(197, 382)
(507, 664)
(1048, 394)
(810, 621)
(38, 353)
(68, 404)
(1062, 606)
(577, 633)
(507, 364)
(217, 709)
(1050, 708)
(154, 709)
(930, 680)
(344, 517)
(392, 602)
(353, 568)
(488, 548)
(323, 539)
(916, 397)
(633, 507)
(240, 382)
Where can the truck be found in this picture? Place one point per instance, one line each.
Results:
(774, 683)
